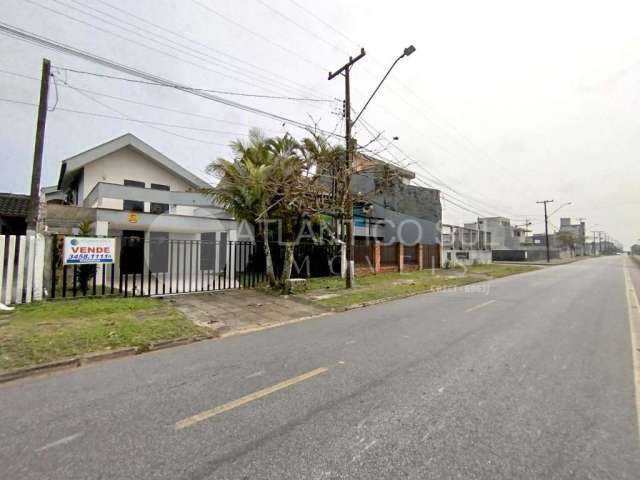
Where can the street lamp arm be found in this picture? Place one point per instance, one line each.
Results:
(377, 88)
(407, 51)
(561, 206)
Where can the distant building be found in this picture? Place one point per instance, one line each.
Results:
(390, 208)
(578, 231)
(503, 235)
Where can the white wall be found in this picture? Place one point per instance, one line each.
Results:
(127, 164)
(475, 256)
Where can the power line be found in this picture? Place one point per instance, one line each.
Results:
(182, 47)
(51, 44)
(466, 142)
(181, 36)
(144, 45)
(126, 118)
(377, 137)
(302, 27)
(222, 92)
(259, 35)
(66, 84)
(326, 24)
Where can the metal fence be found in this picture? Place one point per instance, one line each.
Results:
(410, 254)
(389, 255)
(310, 260)
(163, 267)
(363, 253)
(156, 267)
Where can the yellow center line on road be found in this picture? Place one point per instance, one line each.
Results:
(633, 307)
(190, 421)
(479, 306)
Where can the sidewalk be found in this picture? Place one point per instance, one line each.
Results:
(554, 261)
(233, 311)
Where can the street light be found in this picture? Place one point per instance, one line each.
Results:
(349, 144)
(563, 205)
(407, 51)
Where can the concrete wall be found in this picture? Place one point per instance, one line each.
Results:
(530, 254)
(64, 218)
(465, 257)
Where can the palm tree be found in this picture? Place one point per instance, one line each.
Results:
(276, 178)
(243, 186)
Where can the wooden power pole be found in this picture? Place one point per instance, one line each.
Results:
(36, 172)
(546, 227)
(349, 163)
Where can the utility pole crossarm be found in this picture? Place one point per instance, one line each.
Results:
(347, 65)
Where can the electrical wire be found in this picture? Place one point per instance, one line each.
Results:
(282, 79)
(144, 45)
(125, 118)
(189, 50)
(259, 35)
(222, 92)
(453, 132)
(67, 49)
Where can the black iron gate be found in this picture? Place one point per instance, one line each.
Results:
(158, 266)
(167, 267)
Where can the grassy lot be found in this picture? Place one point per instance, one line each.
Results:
(329, 291)
(55, 330)
(494, 270)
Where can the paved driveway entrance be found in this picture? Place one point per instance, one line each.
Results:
(238, 310)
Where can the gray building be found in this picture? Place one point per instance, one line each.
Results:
(577, 231)
(503, 235)
(388, 208)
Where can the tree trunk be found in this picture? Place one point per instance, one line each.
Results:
(287, 263)
(271, 276)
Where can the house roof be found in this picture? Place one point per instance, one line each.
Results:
(366, 163)
(72, 165)
(14, 205)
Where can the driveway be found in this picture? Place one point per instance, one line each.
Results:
(233, 311)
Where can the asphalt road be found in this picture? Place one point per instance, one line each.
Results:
(528, 376)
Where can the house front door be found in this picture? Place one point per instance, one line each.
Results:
(132, 252)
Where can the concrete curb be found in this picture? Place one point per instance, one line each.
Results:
(90, 358)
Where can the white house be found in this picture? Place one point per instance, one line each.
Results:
(151, 204)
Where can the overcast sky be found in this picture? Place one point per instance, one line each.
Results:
(503, 103)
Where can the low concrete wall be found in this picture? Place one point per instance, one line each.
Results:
(465, 257)
(530, 254)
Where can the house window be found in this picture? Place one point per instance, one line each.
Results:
(159, 208)
(133, 205)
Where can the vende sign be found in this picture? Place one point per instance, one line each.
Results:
(88, 250)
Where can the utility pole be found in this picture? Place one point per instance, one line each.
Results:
(583, 234)
(600, 242)
(546, 227)
(599, 232)
(345, 69)
(34, 201)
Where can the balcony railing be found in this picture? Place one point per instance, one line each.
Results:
(114, 191)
